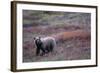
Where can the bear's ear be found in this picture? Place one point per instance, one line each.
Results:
(34, 38)
(39, 37)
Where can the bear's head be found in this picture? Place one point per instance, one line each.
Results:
(38, 42)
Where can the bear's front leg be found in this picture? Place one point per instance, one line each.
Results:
(43, 51)
(37, 51)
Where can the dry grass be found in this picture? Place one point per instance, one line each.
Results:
(71, 45)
